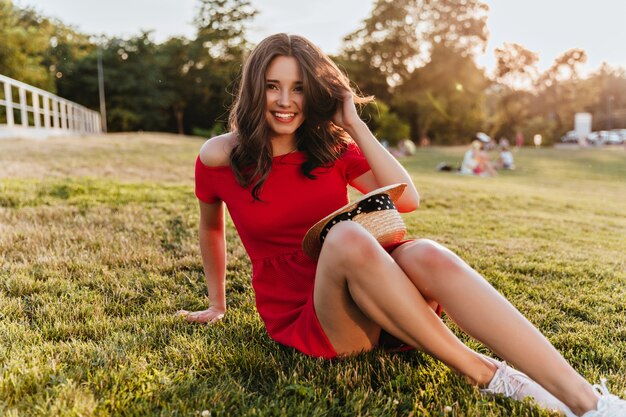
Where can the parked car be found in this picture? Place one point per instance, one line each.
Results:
(614, 138)
(621, 133)
(604, 137)
(594, 138)
(570, 137)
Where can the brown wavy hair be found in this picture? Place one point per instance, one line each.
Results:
(323, 88)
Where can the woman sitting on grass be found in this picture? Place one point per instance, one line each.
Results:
(476, 161)
(295, 145)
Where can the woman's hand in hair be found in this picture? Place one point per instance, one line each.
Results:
(210, 315)
(346, 116)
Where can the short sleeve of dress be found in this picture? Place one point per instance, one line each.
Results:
(205, 191)
(355, 162)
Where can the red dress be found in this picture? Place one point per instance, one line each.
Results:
(272, 230)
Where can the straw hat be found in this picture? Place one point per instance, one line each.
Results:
(375, 211)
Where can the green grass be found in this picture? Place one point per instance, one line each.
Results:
(98, 250)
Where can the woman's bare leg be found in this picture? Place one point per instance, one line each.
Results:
(487, 316)
(359, 288)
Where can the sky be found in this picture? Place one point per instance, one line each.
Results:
(548, 27)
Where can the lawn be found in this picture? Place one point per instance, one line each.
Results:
(98, 249)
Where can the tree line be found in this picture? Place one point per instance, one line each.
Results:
(417, 57)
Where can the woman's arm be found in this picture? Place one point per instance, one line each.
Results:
(385, 169)
(213, 252)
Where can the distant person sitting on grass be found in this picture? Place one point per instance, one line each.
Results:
(505, 157)
(296, 142)
(476, 161)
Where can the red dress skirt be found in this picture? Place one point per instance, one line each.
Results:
(271, 231)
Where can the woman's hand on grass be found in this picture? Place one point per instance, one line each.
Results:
(209, 316)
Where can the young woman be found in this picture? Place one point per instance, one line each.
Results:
(296, 142)
(476, 161)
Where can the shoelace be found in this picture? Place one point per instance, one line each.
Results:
(607, 402)
(504, 383)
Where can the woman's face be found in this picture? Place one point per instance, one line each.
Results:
(284, 99)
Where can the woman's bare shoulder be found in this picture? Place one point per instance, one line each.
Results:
(215, 152)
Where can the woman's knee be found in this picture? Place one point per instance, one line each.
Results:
(424, 256)
(349, 242)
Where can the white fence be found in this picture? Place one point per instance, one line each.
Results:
(30, 112)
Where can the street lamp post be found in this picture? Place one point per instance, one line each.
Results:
(103, 110)
(609, 112)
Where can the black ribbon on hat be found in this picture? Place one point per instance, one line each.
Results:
(377, 202)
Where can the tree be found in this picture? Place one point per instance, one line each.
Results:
(385, 124)
(602, 93)
(510, 100)
(221, 27)
(399, 36)
(175, 62)
(443, 100)
(516, 66)
(564, 67)
(132, 80)
(367, 79)
(23, 45)
(66, 48)
(424, 50)
(388, 41)
(557, 88)
(135, 99)
(198, 72)
(609, 108)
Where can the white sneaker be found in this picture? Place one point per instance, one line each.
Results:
(517, 385)
(609, 405)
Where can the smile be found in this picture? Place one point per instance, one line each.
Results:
(283, 117)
